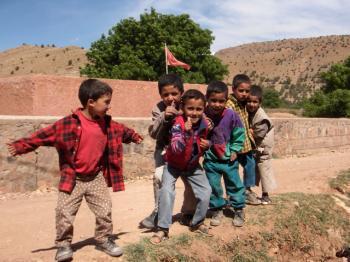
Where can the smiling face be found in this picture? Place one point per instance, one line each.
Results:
(170, 94)
(216, 103)
(241, 92)
(100, 106)
(193, 109)
(253, 104)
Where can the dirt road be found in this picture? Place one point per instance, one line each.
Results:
(27, 227)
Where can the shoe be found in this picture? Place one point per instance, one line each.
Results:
(110, 248)
(239, 218)
(265, 200)
(150, 222)
(216, 218)
(64, 253)
(251, 198)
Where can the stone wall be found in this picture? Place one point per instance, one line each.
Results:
(45, 95)
(39, 169)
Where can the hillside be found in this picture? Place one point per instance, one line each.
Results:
(28, 59)
(291, 66)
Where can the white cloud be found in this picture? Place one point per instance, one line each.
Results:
(235, 22)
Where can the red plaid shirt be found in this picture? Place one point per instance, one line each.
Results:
(64, 135)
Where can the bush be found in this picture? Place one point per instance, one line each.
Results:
(334, 104)
(271, 98)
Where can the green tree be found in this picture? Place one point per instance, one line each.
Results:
(135, 50)
(271, 98)
(337, 77)
(334, 98)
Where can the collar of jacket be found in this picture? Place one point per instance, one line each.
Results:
(107, 118)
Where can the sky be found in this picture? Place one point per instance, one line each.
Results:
(232, 22)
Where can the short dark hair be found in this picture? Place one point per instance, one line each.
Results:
(93, 89)
(257, 91)
(192, 94)
(170, 79)
(240, 79)
(217, 87)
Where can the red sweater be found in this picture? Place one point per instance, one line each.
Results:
(184, 151)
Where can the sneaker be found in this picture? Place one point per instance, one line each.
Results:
(238, 220)
(216, 218)
(251, 198)
(64, 253)
(150, 222)
(110, 248)
(265, 200)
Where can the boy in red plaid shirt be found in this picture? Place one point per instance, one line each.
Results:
(89, 145)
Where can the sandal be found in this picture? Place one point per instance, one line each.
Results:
(202, 229)
(159, 237)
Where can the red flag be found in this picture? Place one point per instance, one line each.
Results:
(172, 61)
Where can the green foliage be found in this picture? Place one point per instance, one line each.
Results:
(271, 99)
(337, 77)
(334, 98)
(334, 104)
(135, 50)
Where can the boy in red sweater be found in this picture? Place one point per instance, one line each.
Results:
(89, 145)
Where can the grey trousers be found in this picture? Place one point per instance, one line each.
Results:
(201, 189)
(189, 203)
(264, 172)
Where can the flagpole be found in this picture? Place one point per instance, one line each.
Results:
(166, 58)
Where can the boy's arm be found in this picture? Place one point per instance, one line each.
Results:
(159, 124)
(129, 135)
(260, 130)
(177, 142)
(237, 137)
(43, 137)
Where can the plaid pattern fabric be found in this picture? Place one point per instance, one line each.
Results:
(64, 135)
(243, 114)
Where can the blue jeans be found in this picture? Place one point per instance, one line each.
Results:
(201, 189)
(247, 161)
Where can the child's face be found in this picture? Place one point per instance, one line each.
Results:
(253, 104)
(241, 93)
(193, 109)
(170, 94)
(216, 103)
(101, 105)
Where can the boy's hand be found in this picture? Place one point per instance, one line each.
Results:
(171, 111)
(11, 149)
(233, 156)
(188, 124)
(210, 122)
(204, 144)
(139, 140)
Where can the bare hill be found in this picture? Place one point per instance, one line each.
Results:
(290, 66)
(28, 59)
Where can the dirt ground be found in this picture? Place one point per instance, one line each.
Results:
(27, 227)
